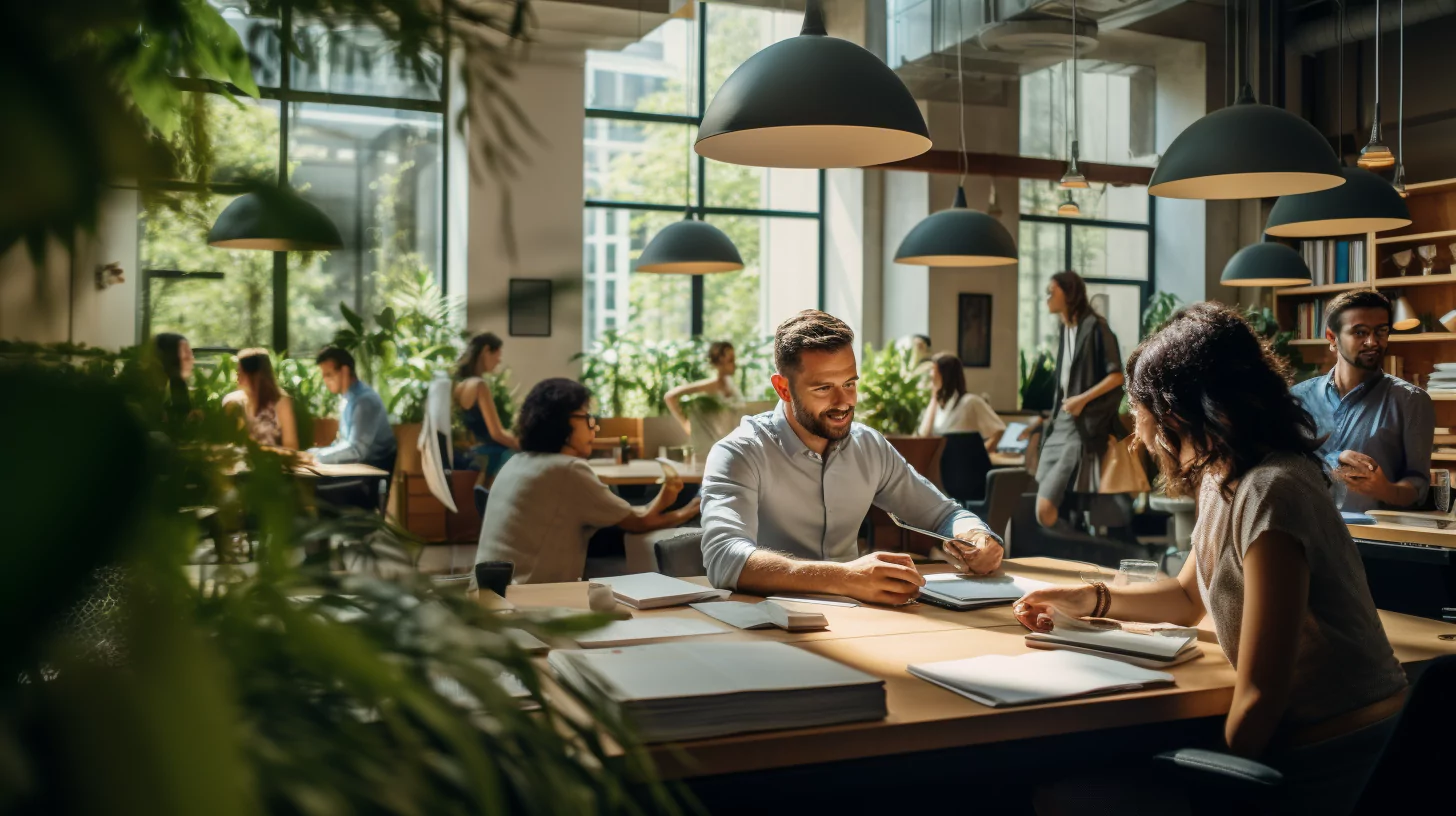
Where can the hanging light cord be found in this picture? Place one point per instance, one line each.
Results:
(1340, 98)
(687, 132)
(961, 93)
(1400, 99)
(1378, 21)
(1076, 103)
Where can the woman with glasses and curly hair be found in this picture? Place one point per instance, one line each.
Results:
(547, 502)
(1318, 689)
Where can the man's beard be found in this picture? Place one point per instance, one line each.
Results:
(818, 425)
(1365, 363)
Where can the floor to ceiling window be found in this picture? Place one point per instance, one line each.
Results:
(1110, 243)
(644, 104)
(360, 135)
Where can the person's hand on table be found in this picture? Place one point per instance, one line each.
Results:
(306, 458)
(1034, 610)
(1029, 429)
(977, 551)
(1075, 405)
(881, 578)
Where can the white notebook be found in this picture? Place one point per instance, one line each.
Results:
(763, 615)
(1169, 648)
(653, 590)
(1000, 680)
(645, 630)
(960, 592)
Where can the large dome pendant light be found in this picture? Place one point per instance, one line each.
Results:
(1364, 203)
(274, 219)
(1248, 150)
(689, 247)
(1073, 179)
(1399, 183)
(959, 236)
(1266, 264)
(812, 101)
(1375, 155)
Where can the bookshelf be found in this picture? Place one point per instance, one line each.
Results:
(1413, 355)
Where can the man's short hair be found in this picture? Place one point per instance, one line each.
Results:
(1358, 299)
(337, 356)
(809, 330)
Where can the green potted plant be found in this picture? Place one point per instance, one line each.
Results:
(892, 395)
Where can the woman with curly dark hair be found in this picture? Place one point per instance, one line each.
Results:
(547, 502)
(1318, 689)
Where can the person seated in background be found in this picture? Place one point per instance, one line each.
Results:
(266, 411)
(1318, 688)
(494, 444)
(709, 424)
(952, 409)
(547, 502)
(175, 355)
(364, 432)
(1378, 429)
(784, 494)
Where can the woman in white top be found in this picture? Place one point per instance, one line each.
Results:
(712, 418)
(952, 409)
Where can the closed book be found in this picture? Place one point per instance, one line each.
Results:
(652, 590)
(1342, 262)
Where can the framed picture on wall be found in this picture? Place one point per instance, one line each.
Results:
(530, 307)
(973, 330)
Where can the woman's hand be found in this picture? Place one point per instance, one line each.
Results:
(1029, 429)
(1034, 610)
(1075, 405)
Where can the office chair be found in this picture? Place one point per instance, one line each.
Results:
(964, 465)
(1410, 773)
(1004, 487)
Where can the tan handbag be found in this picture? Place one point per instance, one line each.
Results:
(1121, 470)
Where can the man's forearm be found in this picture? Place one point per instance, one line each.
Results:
(1402, 493)
(767, 571)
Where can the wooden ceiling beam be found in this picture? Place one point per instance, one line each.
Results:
(1002, 166)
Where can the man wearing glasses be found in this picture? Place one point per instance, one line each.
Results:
(784, 494)
(546, 502)
(1379, 429)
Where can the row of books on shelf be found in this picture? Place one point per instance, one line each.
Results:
(1309, 319)
(1332, 261)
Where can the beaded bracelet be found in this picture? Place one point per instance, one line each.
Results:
(1104, 599)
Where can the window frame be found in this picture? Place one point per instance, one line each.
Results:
(285, 95)
(697, 208)
(1146, 287)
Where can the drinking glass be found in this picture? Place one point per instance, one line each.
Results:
(1135, 571)
(1402, 259)
(1428, 258)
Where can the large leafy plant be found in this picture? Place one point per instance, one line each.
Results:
(630, 376)
(277, 688)
(1038, 378)
(892, 394)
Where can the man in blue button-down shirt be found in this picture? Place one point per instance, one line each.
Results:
(364, 432)
(1379, 429)
(784, 494)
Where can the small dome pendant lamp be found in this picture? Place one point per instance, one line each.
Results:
(274, 219)
(1269, 263)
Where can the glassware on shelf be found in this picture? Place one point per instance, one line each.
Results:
(1428, 258)
(1402, 260)
(1452, 247)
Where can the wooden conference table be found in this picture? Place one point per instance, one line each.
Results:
(882, 641)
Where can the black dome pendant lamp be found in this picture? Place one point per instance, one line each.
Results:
(959, 236)
(689, 247)
(1266, 264)
(812, 101)
(1364, 203)
(273, 219)
(1247, 150)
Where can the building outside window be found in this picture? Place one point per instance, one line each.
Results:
(644, 104)
(362, 137)
(1110, 244)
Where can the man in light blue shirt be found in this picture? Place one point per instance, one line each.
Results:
(1379, 429)
(784, 494)
(364, 432)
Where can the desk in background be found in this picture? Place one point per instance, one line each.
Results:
(923, 717)
(1410, 569)
(642, 472)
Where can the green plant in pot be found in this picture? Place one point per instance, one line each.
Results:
(892, 395)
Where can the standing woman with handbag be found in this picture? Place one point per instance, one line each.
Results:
(1088, 394)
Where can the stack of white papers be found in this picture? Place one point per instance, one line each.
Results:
(763, 615)
(645, 630)
(652, 590)
(999, 680)
(961, 592)
(680, 691)
(1163, 646)
(1433, 519)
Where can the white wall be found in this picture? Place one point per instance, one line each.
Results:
(543, 216)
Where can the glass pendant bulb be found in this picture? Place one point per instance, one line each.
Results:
(1399, 183)
(1073, 178)
(1375, 155)
(1069, 207)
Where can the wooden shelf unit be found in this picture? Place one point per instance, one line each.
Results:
(1433, 213)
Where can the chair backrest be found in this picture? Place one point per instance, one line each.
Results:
(1413, 764)
(681, 556)
(611, 429)
(920, 452)
(1004, 487)
(964, 465)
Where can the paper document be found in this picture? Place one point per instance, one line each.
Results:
(669, 469)
(1414, 518)
(1166, 646)
(1000, 680)
(814, 597)
(763, 615)
(651, 590)
(646, 630)
(1011, 441)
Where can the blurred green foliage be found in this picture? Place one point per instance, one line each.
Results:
(892, 392)
(629, 375)
(1038, 377)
